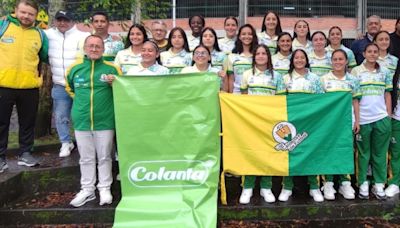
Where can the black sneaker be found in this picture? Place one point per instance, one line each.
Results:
(3, 165)
(27, 159)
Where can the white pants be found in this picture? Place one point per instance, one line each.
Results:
(90, 145)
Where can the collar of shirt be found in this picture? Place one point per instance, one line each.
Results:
(315, 56)
(296, 75)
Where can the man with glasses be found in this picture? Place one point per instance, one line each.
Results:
(93, 119)
(159, 32)
(65, 45)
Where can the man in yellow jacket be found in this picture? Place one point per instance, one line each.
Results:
(22, 48)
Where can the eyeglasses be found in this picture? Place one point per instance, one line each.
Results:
(200, 53)
(158, 30)
(95, 47)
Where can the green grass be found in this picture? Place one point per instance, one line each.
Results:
(46, 140)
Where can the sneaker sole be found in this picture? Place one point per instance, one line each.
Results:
(363, 196)
(64, 155)
(85, 201)
(104, 203)
(391, 195)
(4, 168)
(271, 201)
(379, 197)
(25, 164)
(329, 198)
(348, 198)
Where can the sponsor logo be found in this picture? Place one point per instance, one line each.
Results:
(286, 135)
(170, 173)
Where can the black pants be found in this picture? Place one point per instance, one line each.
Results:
(26, 101)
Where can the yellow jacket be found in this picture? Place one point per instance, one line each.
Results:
(21, 50)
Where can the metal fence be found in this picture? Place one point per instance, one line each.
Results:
(304, 8)
(221, 8)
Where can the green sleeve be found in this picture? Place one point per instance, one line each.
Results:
(44, 51)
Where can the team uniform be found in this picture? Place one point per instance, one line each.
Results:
(111, 47)
(350, 84)
(262, 83)
(226, 44)
(350, 55)
(175, 62)
(297, 45)
(271, 43)
(193, 41)
(309, 83)
(194, 69)
(217, 59)
(267, 84)
(155, 69)
(126, 59)
(320, 65)
(236, 64)
(389, 62)
(281, 63)
(394, 150)
(375, 129)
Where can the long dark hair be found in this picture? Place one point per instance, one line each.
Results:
(278, 49)
(238, 43)
(183, 34)
(142, 29)
(278, 28)
(395, 91)
(216, 45)
(291, 66)
(269, 63)
(308, 36)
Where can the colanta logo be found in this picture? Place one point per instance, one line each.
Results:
(170, 173)
(286, 135)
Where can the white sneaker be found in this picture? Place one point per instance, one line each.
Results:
(316, 195)
(66, 149)
(347, 191)
(363, 191)
(82, 197)
(378, 191)
(392, 190)
(268, 195)
(105, 197)
(284, 195)
(329, 191)
(246, 195)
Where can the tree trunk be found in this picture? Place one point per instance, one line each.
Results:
(44, 115)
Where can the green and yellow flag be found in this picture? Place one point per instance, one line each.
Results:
(290, 135)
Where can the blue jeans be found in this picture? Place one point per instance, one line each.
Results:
(62, 104)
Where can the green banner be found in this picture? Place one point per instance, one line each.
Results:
(169, 150)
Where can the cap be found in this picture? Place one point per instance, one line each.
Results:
(63, 14)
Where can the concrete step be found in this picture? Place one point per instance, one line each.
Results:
(41, 195)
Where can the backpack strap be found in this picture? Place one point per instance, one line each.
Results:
(4, 26)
